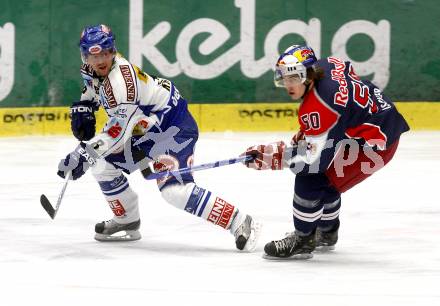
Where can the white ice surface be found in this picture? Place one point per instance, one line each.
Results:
(388, 253)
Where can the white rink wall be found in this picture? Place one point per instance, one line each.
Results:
(388, 253)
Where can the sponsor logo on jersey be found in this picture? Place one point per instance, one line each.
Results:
(108, 91)
(341, 96)
(121, 112)
(116, 207)
(353, 74)
(165, 83)
(221, 213)
(129, 83)
(143, 124)
(379, 97)
(115, 130)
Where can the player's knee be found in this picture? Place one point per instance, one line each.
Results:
(177, 194)
(113, 185)
(104, 171)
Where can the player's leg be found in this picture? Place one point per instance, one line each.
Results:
(184, 194)
(328, 225)
(353, 174)
(181, 191)
(307, 212)
(122, 200)
(209, 206)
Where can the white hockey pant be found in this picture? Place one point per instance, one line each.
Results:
(123, 201)
(202, 203)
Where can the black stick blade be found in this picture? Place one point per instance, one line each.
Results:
(47, 206)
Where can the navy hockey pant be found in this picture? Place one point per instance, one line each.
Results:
(315, 203)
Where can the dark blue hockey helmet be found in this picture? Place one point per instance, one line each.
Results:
(95, 39)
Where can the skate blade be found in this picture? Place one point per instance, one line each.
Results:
(119, 236)
(324, 248)
(251, 244)
(293, 257)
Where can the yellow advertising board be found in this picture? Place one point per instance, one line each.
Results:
(210, 118)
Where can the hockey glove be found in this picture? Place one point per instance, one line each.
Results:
(83, 122)
(268, 156)
(77, 161)
(297, 138)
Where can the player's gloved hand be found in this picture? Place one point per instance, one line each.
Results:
(268, 156)
(77, 161)
(298, 137)
(83, 122)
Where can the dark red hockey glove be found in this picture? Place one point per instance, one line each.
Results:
(297, 137)
(266, 157)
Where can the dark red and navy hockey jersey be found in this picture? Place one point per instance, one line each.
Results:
(342, 106)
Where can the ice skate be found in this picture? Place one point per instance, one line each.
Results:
(112, 231)
(247, 234)
(291, 247)
(325, 241)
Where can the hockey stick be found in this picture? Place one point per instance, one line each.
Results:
(216, 164)
(45, 201)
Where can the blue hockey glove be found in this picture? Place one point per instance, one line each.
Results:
(77, 161)
(83, 122)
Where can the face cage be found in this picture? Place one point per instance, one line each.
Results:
(292, 77)
(84, 56)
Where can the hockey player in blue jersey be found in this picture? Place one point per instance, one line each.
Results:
(348, 131)
(148, 124)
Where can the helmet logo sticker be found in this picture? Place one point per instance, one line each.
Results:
(95, 49)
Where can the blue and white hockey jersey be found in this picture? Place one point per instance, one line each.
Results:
(132, 99)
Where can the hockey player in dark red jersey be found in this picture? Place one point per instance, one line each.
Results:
(348, 131)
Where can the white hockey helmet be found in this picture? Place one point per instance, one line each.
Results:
(292, 65)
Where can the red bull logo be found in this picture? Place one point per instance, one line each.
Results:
(303, 54)
(306, 53)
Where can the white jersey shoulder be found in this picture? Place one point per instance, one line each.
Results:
(120, 86)
(126, 84)
(129, 96)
